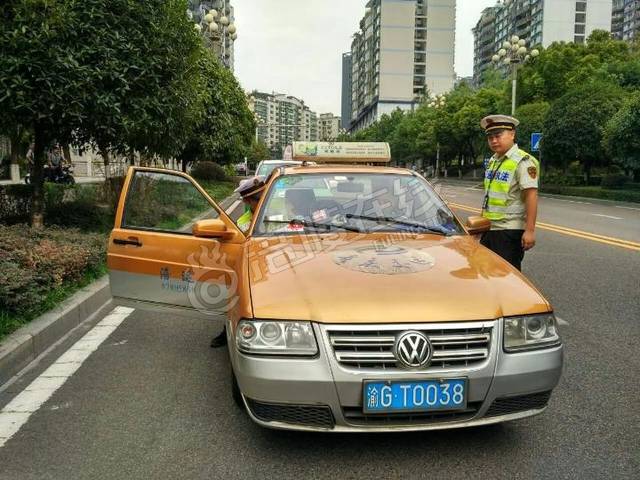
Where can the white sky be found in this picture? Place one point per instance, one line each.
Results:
(295, 46)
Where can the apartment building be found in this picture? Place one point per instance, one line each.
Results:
(328, 127)
(631, 20)
(345, 110)
(539, 22)
(403, 50)
(282, 119)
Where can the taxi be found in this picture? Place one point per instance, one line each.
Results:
(356, 302)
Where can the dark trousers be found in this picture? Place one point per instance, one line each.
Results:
(507, 244)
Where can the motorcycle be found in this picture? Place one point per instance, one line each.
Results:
(63, 175)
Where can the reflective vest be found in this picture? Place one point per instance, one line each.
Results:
(244, 222)
(498, 179)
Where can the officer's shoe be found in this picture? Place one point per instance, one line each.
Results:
(219, 340)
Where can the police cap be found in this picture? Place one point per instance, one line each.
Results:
(251, 186)
(498, 123)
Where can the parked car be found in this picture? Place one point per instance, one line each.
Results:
(356, 302)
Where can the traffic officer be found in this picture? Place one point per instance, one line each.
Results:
(250, 190)
(510, 192)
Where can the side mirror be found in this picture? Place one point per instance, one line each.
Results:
(211, 229)
(476, 225)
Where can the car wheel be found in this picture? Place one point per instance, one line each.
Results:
(235, 391)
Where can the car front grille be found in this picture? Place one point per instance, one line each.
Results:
(522, 403)
(372, 348)
(304, 415)
(355, 416)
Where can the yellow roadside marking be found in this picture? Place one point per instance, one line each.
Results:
(618, 242)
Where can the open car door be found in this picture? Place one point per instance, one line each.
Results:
(173, 248)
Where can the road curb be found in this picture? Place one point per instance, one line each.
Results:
(27, 343)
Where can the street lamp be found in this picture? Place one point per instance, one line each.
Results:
(512, 54)
(219, 28)
(438, 101)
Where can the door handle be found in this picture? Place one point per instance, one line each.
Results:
(131, 241)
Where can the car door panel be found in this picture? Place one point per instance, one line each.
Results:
(155, 262)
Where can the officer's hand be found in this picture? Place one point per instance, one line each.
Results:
(528, 240)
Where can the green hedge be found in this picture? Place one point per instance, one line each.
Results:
(626, 195)
(38, 264)
(86, 206)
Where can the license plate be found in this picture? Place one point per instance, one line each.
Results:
(420, 396)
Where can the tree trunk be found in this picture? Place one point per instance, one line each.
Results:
(104, 153)
(15, 147)
(184, 165)
(66, 151)
(37, 179)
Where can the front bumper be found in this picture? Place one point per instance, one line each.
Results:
(320, 394)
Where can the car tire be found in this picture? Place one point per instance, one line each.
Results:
(235, 391)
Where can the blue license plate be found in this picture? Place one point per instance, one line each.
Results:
(421, 396)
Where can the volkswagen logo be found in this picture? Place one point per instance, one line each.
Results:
(413, 349)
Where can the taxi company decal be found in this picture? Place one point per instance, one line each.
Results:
(185, 284)
(384, 260)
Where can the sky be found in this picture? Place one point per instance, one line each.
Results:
(295, 46)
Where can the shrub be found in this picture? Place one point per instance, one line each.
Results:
(614, 180)
(208, 171)
(35, 262)
(15, 203)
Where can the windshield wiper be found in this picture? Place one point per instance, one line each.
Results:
(439, 230)
(304, 223)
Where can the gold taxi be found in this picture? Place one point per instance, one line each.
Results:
(357, 301)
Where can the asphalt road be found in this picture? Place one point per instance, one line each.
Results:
(153, 401)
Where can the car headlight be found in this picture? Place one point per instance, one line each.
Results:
(529, 332)
(272, 337)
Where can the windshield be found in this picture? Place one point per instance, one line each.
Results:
(361, 202)
(266, 168)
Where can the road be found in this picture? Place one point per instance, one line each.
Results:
(153, 400)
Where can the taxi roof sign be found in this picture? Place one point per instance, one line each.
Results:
(342, 152)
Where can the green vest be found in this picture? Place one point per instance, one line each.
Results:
(498, 179)
(244, 222)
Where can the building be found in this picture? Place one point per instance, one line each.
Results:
(538, 22)
(346, 90)
(404, 50)
(282, 119)
(617, 19)
(218, 28)
(631, 20)
(484, 42)
(328, 127)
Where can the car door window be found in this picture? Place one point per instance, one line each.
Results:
(165, 202)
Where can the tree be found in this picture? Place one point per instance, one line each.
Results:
(226, 129)
(531, 116)
(258, 151)
(621, 136)
(573, 126)
(114, 73)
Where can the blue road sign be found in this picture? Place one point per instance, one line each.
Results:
(535, 141)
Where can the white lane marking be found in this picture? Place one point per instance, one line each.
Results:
(627, 208)
(16, 413)
(607, 216)
(233, 206)
(561, 321)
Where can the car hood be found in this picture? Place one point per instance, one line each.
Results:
(379, 278)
